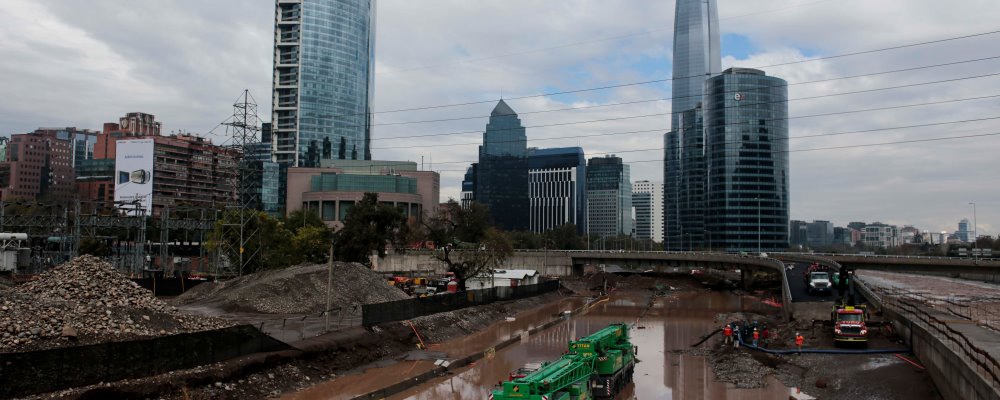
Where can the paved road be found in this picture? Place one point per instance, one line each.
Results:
(797, 285)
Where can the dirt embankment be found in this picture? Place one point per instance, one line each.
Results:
(295, 290)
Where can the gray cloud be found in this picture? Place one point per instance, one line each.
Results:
(84, 63)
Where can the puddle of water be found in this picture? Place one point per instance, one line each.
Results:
(879, 362)
(661, 374)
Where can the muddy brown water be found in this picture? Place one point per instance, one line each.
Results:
(671, 325)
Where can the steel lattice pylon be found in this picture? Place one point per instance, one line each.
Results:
(239, 226)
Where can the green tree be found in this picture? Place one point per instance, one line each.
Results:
(272, 247)
(564, 237)
(311, 244)
(299, 218)
(369, 227)
(467, 260)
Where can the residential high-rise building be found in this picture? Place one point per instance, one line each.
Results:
(502, 173)
(746, 141)
(880, 235)
(609, 197)
(188, 170)
(557, 188)
(39, 165)
(696, 53)
(323, 80)
(696, 57)
(647, 199)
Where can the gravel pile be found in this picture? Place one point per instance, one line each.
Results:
(740, 369)
(295, 290)
(86, 301)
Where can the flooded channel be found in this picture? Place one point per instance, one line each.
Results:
(669, 327)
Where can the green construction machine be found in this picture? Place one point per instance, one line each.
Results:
(597, 366)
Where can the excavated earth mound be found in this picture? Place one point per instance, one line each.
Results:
(294, 290)
(86, 301)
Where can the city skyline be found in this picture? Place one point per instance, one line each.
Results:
(192, 85)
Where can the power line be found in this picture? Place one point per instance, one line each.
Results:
(681, 97)
(835, 56)
(667, 113)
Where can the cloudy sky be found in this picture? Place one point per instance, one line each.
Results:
(76, 63)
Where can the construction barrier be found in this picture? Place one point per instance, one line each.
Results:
(44, 371)
(401, 310)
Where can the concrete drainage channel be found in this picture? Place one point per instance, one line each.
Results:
(443, 367)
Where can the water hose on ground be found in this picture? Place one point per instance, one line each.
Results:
(706, 337)
(824, 351)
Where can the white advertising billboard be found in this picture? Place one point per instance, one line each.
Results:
(134, 174)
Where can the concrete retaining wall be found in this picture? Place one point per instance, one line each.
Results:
(954, 375)
(546, 263)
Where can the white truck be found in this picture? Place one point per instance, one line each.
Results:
(818, 282)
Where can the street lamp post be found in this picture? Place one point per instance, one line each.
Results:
(975, 228)
(758, 225)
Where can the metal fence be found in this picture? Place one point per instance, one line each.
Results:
(400, 310)
(50, 370)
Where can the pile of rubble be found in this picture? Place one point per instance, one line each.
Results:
(740, 369)
(295, 290)
(86, 301)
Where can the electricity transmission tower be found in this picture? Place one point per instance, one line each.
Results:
(241, 236)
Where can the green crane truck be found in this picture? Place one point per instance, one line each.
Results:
(597, 366)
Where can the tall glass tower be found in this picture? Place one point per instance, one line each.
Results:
(696, 53)
(323, 80)
(746, 141)
(502, 172)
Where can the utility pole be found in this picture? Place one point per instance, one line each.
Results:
(329, 284)
(975, 236)
(758, 225)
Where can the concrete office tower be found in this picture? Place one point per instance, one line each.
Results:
(696, 53)
(647, 199)
(746, 142)
(609, 197)
(557, 188)
(501, 182)
(323, 80)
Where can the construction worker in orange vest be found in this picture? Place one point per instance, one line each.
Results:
(756, 336)
(728, 333)
(799, 340)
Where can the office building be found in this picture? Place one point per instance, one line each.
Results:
(819, 234)
(647, 200)
(798, 233)
(746, 141)
(333, 189)
(696, 53)
(39, 166)
(502, 173)
(609, 197)
(964, 233)
(469, 186)
(323, 80)
(556, 188)
(696, 57)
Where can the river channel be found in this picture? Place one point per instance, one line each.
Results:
(671, 325)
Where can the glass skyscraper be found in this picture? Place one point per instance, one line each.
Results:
(696, 53)
(323, 80)
(746, 126)
(696, 58)
(501, 181)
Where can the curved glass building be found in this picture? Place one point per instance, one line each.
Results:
(502, 171)
(323, 80)
(746, 142)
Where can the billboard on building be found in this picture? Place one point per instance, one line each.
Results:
(134, 174)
